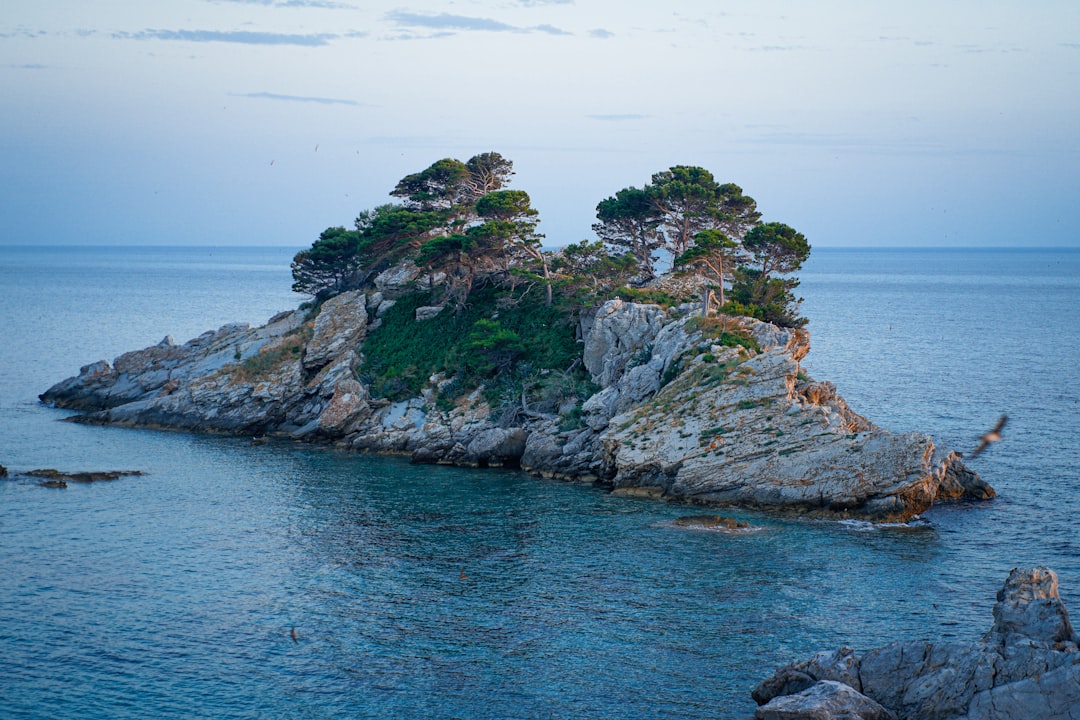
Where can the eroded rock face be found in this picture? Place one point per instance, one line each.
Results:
(1027, 666)
(339, 328)
(680, 414)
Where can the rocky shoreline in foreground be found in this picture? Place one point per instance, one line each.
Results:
(677, 415)
(1026, 666)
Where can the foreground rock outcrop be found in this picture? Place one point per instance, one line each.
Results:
(680, 413)
(1027, 666)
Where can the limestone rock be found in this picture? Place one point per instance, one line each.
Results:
(824, 700)
(1029, 610)
(427, 312)
(619, 332)
(840, 665)
(397, 279)
(1028, 665)
(339, 327)
(348, 405)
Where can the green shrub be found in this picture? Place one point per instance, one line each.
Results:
(484, 342)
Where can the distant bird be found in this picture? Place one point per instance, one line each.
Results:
(292, 634)
(271, 162)
(991, 437)
(462, 573)
(316, 147)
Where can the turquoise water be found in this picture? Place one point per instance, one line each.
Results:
(437, 592)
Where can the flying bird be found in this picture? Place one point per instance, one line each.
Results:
(991, 437)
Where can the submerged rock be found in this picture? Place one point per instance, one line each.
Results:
(1027, 666)
(84, 477)
(711, 522)
(680, 413)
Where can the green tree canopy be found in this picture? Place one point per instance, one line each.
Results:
(777, 248)
(488, 172)
(329, 265)
(632, 220)
(686, 198)
(439, 187)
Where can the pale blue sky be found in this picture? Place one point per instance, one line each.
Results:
(264, 121)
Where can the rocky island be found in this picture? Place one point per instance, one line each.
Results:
(440, 330)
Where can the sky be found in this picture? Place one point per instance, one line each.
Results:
(263, 122)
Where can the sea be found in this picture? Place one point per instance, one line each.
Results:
(286, 580)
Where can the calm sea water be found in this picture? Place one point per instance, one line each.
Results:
(443, 593)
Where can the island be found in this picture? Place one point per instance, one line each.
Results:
(441, 329)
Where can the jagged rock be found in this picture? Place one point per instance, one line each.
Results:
(620, 331)
(737, 430)
(348, 405)
(824, 700)
(340, 327)
(1028, 665)
(1029, 610)
(839, 665)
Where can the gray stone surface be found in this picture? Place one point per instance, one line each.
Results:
(824, 700)
(1027, 666)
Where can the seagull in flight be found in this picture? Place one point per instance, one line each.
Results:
(991, 437)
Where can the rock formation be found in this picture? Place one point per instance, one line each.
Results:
(679, 414)
(1027, 666)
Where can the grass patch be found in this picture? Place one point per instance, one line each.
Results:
(723, 332)
(266, 361)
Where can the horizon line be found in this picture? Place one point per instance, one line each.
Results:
(23, 246)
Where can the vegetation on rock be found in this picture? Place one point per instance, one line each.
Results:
(513, 308)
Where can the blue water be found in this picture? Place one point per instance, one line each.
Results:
(441, 592)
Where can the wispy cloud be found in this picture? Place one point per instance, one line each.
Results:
(618, 117)
(23, 33)
(29, 66)
(298, 98)
(445, 21)
(777, 48)
(550, 30)
(998, 48)
(243, 37)
(1071, 46)
(445, 24)
(534, 3)
(601, 33)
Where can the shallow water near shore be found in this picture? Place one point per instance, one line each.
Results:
(421, 591)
